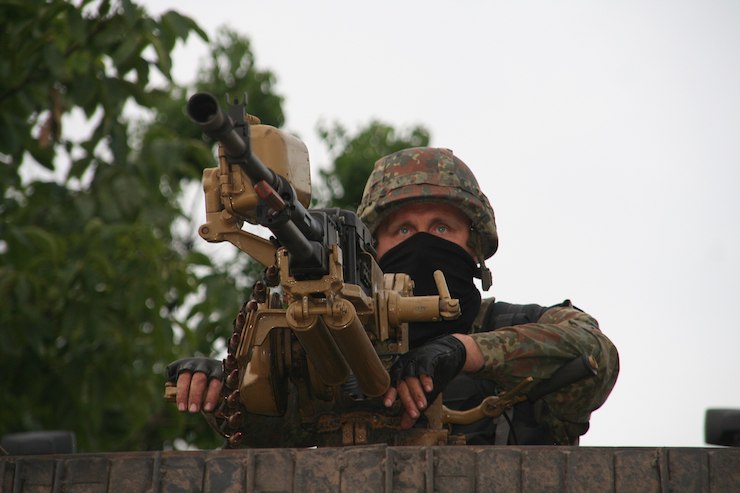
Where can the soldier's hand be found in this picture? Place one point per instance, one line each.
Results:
(199, 382)
(420, 375)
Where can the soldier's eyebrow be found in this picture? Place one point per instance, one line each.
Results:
(450, 221)
(398, 225)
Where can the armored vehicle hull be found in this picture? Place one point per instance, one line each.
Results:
(381, 468)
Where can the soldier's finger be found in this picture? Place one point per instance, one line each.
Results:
(214, 390)
(183, 389)
(198, 385)
(407, 421)
(417, 392)
(407, 399)
(390, 397)
(427, 383)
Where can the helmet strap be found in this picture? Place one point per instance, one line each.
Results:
(485, 275)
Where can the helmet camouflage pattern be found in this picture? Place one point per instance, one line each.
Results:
(429, 174)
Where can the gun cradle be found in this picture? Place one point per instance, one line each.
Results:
(324, 344)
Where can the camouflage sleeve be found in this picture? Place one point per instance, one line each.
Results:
(538, 349)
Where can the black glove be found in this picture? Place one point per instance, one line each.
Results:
(441, 358)
(213, 368)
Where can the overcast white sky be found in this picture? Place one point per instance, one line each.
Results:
(605, 133)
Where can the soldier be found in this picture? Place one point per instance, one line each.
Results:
(427, 212)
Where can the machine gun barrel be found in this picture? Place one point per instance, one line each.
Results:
(204, 110)
(285, 216)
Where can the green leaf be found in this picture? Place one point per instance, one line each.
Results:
(130, 47)
(164, 62)
(78, 26)
(181, 25)
(41, 242)
(43, 156)
(11, 141)
(198, 258)
(79, 166)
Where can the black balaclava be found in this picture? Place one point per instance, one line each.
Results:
(419, 257)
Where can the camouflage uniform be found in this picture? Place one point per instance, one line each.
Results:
(529, 340)
(516, 340)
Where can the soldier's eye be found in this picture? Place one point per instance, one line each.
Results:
(441, 229)
(404, 230)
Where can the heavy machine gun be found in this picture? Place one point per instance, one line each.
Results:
(309, 356)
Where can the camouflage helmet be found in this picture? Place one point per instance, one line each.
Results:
(429, 174)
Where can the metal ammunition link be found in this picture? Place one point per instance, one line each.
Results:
(272, 276)
(232, 410)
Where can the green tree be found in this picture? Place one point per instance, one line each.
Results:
(101, 283)
(353, 157)
(96, 282)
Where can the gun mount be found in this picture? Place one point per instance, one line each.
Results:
(310, 352)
